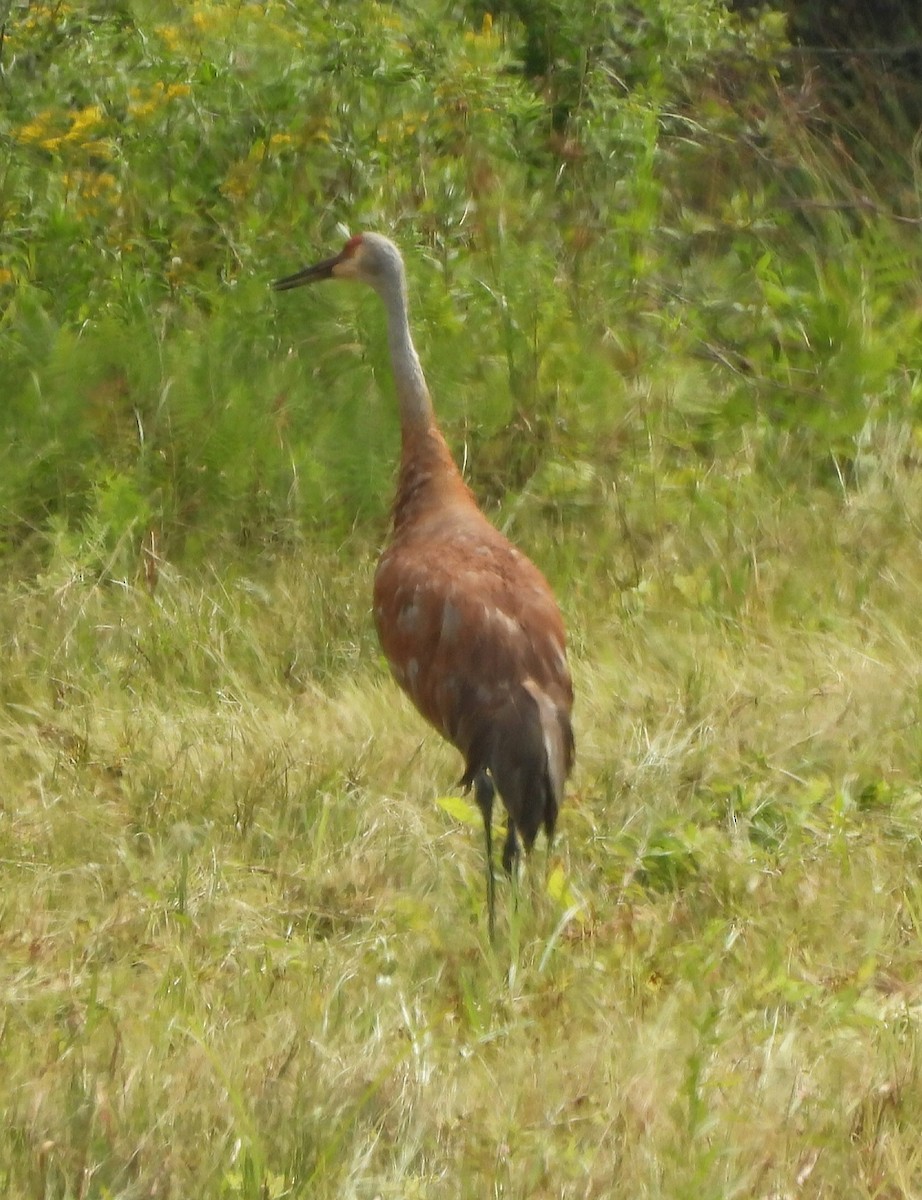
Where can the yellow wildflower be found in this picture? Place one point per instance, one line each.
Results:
(6, 276)
(170, 35)
(142, 105)
(82, 122)
(316, 130)
(238, 184)
(143, 108)
(91, 183)
(207, 18)
(35, 133)
(40, 131)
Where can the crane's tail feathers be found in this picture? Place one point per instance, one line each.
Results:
(529, 758)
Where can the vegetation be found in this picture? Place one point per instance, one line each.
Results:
(669, 306)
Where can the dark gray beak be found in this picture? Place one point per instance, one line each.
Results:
(321, 270)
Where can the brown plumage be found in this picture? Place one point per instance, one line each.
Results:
(469, 625)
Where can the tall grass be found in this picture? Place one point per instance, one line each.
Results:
(671, 325)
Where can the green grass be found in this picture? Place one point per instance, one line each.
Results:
(670, 318)
(245, 951)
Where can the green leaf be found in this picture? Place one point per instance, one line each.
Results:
(462, 810)
(558, 888)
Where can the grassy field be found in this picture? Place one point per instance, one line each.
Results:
(670, 312)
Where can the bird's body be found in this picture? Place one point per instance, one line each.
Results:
(473, 635)
(468, 624)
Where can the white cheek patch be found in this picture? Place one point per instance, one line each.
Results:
(347, 268)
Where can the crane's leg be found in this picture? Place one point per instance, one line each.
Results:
(484, 792)
(511, 862)
(510, 850)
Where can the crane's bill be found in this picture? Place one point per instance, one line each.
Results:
(321, 270)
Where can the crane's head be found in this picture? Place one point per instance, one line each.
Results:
(368, 257)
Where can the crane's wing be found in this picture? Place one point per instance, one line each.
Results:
(471, 630)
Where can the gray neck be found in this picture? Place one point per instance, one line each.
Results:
(412, 393)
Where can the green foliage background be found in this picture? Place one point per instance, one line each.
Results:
(665, 284)
(576, 191)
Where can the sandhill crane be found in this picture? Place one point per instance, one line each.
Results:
(468, 624)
